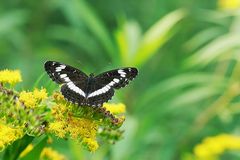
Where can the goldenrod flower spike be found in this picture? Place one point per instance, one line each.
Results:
(58, 128)
(28, 99)
(10, 76)
(229, 4)
(8, 135)
(213, 147)
(91, 144)
(115, 108)
(49, 153)
(40, 94)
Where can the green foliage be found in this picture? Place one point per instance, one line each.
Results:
(17, 147)
(187, 54)
(38, 147)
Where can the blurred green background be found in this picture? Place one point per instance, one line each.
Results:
(187, 53)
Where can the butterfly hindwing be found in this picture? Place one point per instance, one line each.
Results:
(74, 92)
(97, 95)
(62, 73)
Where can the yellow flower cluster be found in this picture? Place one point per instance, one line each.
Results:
(30, 99)
(58, 128)
(81, 127)
(115, 108)
(65, 120)
(77, 128)
(90, 143)
(86, 130)
(10, 76)
(8, 135)
(229, 4)
(40, 94)
(58, 97)
(212, 147)
(49, 153)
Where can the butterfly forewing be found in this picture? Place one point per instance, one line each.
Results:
(62, 73)
(117, 78)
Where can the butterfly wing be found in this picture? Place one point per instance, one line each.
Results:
(62, 73)
(117, 78)
(105, 83)
(73, 80)
(75, 92)
(98, 94)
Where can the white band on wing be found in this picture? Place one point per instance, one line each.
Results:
(122, 73)
(104, 89)
(76, 89)
(61, 67)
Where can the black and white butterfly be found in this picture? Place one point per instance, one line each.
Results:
(90, 90)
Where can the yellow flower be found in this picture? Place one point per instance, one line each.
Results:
(10, 76)
(91, 144)
(49, 153)
(212, 147)
(65, 124)
(8, 135)
(58, 96)
(26, 150)
(58, 128)
(85, 129)
(28, 99)
(40, 94)
(115, 108)
(59, 110)
(81, 127)
(229, 4)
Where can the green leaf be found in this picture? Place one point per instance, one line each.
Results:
(178, 82)
(128, 38)
(156, 36)
(194, 95)
(37, 149)
(215, 49)
(15, 149)
(75, 36)
(202, 38)
(12, 20)
(84, 13)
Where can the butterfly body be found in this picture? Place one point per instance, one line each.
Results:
(90, 90)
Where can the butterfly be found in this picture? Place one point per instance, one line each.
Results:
(84, 90)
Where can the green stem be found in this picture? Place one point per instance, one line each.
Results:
(108, 155)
